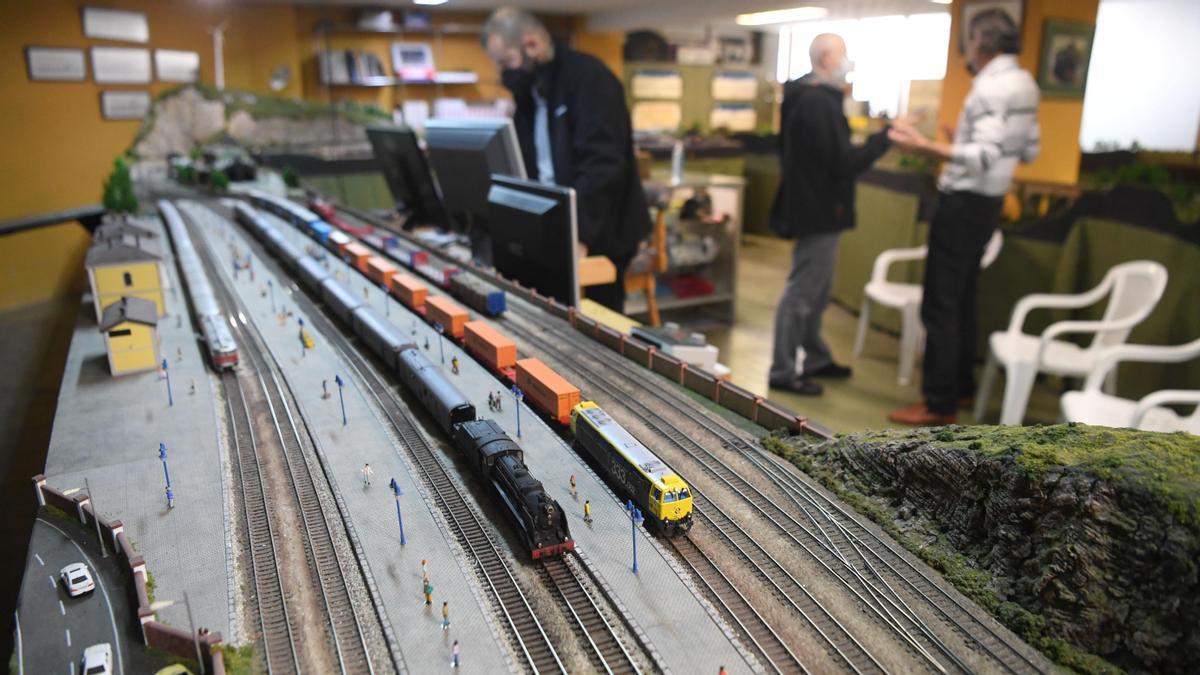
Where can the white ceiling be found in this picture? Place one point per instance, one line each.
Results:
(660, 14)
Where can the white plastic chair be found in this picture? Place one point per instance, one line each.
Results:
(907, 299)
(1134, 288)
(1093, 406)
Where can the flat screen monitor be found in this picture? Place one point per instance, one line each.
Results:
(534, 230)
(464, 153)
(406, 171)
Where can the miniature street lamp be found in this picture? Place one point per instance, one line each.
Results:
(271, 288)
(519, 395)
(399, 516)
(387, 306)
(441, 347)
(338, 380)
(162, 454)
(163, 604)
(167, 373)
(95, 517)
(303, 346)
(635, 519)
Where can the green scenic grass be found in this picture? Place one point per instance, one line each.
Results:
(1165, 465)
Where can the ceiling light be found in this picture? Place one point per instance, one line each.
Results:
(942, 2)
(429, 2)
(782, 16)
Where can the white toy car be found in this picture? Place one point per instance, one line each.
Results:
(77, 579)
(97, 660)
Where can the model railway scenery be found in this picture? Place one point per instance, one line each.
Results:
(612, 337)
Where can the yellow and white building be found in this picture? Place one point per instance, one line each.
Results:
(130, 327)
(125, 266)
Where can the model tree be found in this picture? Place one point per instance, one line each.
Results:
(118, 190)
(219, 180)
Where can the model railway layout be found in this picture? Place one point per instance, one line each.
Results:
(606, 650)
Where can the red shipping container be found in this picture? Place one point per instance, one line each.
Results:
(445, 311)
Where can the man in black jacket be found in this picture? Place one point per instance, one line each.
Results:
(574, 131)
(814, 204)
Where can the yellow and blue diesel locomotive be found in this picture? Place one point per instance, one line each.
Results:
(633, 470)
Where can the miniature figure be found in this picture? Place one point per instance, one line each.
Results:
(445, 616)
(424, 572)
(367, 472)
(573, 493)
(426, 342)
(454, 365)
(499, 399)
(587, 511)
(324, 389)
(192, 387)
(454, 663)
(428, 593)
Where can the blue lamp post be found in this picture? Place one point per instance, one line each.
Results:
(387, 306)
(635, 519)
(399, 516)
(271, 288)
(519, 395)
(162, 454)
(338, 380)
(303, 347)
(167, 373)
(441, 347)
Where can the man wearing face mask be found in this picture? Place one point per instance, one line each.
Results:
(814, 204)
(574, 131)
(997, 128)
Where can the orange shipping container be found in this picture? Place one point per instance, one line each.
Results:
(410, 291)
(547, 389)
(380, 271)
(487, 343)
(356, 254)
(447, 312)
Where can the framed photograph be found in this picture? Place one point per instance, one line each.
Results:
(55, 64)
(115, 24)
(1066, 52)
(120, 65)
(176, 66)
(124, 105)
(1014, 8)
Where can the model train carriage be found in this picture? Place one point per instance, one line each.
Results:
(339, 299)
(547, 390)
(384, 339)
(478, 295)
(540, 519)
(635, 471)
(429, 384)
(221, 347)
(312, 273)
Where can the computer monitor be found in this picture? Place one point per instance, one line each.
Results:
(534, 235)
(464, 153)
(407, 174)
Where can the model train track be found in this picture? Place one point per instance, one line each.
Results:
(274, 625)
(840, 541)
(344, 628)
(605, 650)
(757, 635)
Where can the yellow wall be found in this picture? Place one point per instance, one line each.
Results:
(109, 285)
(1060, 119)
(133, 352)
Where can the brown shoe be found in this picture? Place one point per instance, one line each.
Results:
(919, 415)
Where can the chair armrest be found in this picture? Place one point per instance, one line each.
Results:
(1064, 327)
(1055, 301)
(894, 255)
(1164, 397)
(1110, 356)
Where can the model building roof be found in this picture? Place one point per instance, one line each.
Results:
(119, 250)
(137, 310)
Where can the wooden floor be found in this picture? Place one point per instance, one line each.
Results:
(863, 401)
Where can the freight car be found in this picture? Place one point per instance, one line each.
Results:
(547, 390)
(542, 522)
(446, 313)
(491, 348)
(539, 519)
(633, 470)
(477, 294)
(218, 341)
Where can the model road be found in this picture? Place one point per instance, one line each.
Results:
(53, 629)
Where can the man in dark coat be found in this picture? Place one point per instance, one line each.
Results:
(574, 131)
(814, 204)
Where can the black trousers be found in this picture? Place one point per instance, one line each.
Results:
(611, 295)
(958, 234)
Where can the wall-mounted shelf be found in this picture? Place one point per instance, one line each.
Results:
(449, 77)
(444, 29)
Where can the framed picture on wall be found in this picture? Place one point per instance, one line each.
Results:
(176, 66)
(55, 64)
(1066, 52)
(115, 24)
(124, 105)
(120, 65)
(1014, 8)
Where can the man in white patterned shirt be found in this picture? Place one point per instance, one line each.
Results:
(997, 128)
